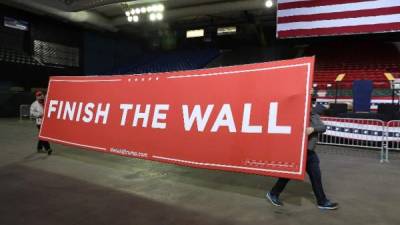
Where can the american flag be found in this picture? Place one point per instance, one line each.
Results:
(301, 18)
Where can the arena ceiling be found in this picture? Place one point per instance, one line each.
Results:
(110, 14)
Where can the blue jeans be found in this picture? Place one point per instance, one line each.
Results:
(314, 172)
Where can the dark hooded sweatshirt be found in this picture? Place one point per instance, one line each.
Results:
(317, 124)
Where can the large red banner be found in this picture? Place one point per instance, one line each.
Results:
(248, 118)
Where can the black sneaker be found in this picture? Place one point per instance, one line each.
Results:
(328, 205)
(274, 199)
(49, 151)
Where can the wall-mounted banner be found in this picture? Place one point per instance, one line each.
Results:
(248, 118)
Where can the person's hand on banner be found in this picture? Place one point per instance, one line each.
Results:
(309, 130)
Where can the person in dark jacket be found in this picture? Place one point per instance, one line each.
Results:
(312, 165)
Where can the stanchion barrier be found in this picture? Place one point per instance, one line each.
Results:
(24, 111)
(392, 137)
(363, 133)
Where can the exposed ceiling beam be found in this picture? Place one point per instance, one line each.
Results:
(79, 5)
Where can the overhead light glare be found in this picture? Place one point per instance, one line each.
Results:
(226, 30)
(195, 33)
(152, 17)
(269, 3)
(161, 8)
(159, 16)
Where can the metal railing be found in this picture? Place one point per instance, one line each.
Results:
(361, 133)
(392, 137)
(24, 112)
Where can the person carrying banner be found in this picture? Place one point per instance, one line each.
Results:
(36, 111)
(312, 166)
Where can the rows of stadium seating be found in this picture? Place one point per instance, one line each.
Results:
(171, 61)
(359, 61)
(15, 56)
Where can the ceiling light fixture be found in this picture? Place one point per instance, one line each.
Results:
(158, 7)
(159, 16)
(269, 3)
(152, 17)
(154, 11)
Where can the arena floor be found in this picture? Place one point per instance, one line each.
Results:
(78, 187)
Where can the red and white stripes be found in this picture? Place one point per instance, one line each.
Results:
(300, 18)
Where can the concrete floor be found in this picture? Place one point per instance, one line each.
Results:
(80, 187)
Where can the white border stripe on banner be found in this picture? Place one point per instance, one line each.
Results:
(85, 81)
(239, 71)
(44, 108)
(305, 115)
(76, 144)
(338, 8)
(225, 166)
(368, 20)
